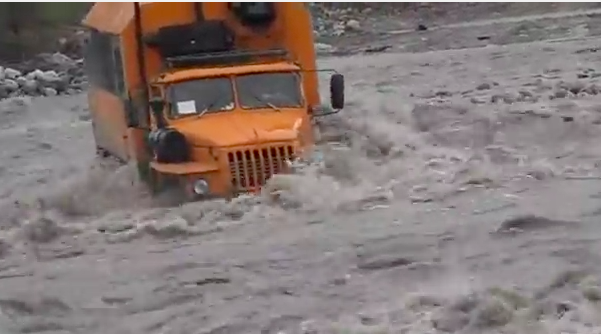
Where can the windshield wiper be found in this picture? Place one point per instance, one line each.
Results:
(209, 107)
(272, 106)
(260, 99)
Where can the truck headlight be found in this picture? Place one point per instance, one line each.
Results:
(200, 187)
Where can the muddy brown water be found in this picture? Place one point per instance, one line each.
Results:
(458, 192)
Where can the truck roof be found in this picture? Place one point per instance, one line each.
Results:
(187, 74)
(112, 17)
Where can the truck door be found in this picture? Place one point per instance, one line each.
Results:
(107, 93)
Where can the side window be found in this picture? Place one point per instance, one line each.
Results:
(98, 60)
(117, 67)
(103, 62)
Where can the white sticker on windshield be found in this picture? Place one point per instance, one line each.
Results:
(186, 107)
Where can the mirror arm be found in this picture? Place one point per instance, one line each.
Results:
(158, 108)
(330, 112)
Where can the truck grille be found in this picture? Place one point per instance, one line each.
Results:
(251, 168)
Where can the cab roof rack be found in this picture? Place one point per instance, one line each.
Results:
(233, 57)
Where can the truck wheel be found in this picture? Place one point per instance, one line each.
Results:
(153, 181)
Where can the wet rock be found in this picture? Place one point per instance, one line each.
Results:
(443, 93)
(530, 222)
(22, 81)
(334, 19)
(483, 86)
(369, 320)
(353, 25)
(379, 48)
(525, 94)
(30, 87)
(11, 73)
(48, 91)
(323, 48)
(476, 100)
(506, 98)
(58, 72)
(573, 87)
(49, 79)
(560, 94)
(10, 85)
(34, 75)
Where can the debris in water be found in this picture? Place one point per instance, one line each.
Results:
(530, 222)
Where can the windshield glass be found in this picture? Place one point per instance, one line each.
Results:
(201, 96)
(269, 90)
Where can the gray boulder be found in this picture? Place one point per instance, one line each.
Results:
(21, 81)
(50, 79)
(31, 87)
(9, 85)
(34, 75)
(11, 73)
(353, 25)
(47, 91)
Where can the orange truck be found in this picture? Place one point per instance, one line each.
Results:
(210, 98)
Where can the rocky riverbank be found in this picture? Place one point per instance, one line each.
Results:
(46, 74)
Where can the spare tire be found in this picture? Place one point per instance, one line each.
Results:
(169, 146)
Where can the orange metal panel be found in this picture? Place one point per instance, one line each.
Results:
(184, 168)
(225, 71)
(110, 125)
(136, 139)
(292, 30)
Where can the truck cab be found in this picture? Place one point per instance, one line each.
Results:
(212, 106)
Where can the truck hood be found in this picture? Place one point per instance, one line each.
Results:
(243, 128)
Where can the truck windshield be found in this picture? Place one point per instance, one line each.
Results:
(269, 90)
(201, 96)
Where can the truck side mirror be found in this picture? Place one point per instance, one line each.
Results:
(337, 91)
(157, 105)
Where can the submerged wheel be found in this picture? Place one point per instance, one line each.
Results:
(153, 181)
(166, 191)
